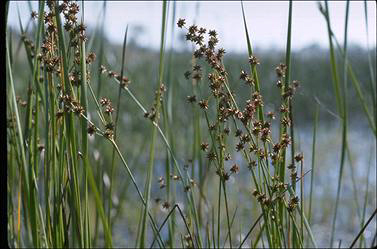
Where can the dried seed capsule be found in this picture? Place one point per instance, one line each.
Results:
(181, 22)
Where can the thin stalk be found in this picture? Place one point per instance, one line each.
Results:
(231, 225)
(18, 125)
(6, 13)
(370, 64)
(354, 80)
(283, 127)
(71, 135)
(115, 129)
(167, 109)
(218, 214)
(249, 232)
(363, 228)
(306, 223)
(166, 219)
(101, 49)
(259, 236)
(342, 102)
(154, 226)
(365, 203)
(152, 148)
(23, 33)
(355, 193)
(213, 227)
(84, 136)
(227, 214)
(183, 179)
(253, 69)
(302, 201)
(313, 162)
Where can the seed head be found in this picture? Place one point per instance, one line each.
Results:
(235, 169)
(299, 157)
(291, 166)
(204, 146)
(197, 76)
(90, 58)
(176, 178)
(197, 68)
(243, 75)
(166, 205)
(102, 69)
(34, 14)
(181, 22)
(286, 121)
(279, 72)
(238, 132)
(193, 29)
(252, 165)
(283, 109)
(212, 33)
(109, 134)
(296, 83)
(191, 99)
(250, 81)
(253, 60)
(110, 126)
(104, 101)
(202, 31)
(203, 104)
(239, 146)
(220, 53)
(211, 156)
(187, 75)
(91, 129)
(109, 109)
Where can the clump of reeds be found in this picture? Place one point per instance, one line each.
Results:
(50, 148)
(252, 132)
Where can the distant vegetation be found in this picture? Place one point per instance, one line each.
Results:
(311, 64)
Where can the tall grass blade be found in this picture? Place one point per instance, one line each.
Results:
(313, 162)
(20, 141)
(287, 78)
(115, 129)
(101, 50)
(152, 148)
(342, 106)
(84, 137)
(167, 110)
(250, 51)
(355, 82)
(365, 203)
(363, 228)
(370, 64)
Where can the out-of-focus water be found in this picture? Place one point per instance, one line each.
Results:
(362, 146)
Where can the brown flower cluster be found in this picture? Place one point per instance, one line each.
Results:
(69, 105)
(153, 114)
(108, 109)
(254, 135)
(124, 82)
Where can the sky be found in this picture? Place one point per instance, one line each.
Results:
(267, 22)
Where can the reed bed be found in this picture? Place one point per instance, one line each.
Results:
(60, 193)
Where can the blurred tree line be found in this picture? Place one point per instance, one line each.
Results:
(310, 66)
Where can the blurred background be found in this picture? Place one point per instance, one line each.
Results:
(267, 23)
